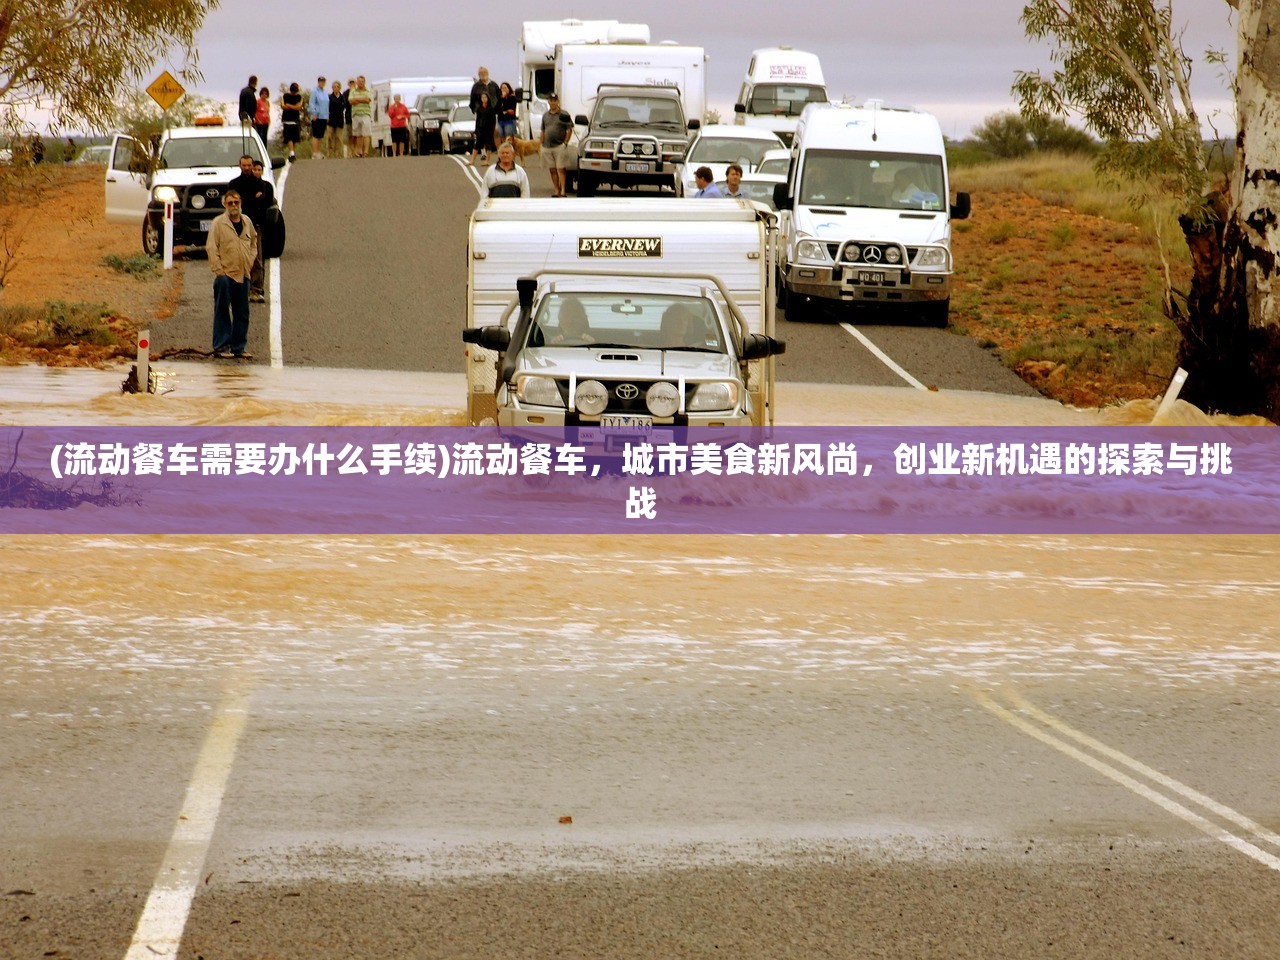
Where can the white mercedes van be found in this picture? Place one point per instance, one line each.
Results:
(865, 212)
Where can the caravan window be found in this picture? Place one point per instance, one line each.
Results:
(854, 178)
(544, 81)
(784, 100)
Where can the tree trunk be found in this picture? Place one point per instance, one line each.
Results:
(1231, 333)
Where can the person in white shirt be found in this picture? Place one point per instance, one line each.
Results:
(506, 172)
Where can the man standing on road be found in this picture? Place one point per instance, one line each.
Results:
(256, 197)
(230, 248)
(361, 99)
(319, 106)
(706, 185)
(249, 101)
(483, 85)
(557, 128)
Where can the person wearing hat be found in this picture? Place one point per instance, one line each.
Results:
(319, 105)
(557, 128)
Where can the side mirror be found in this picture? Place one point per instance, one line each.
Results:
(960, 209)
(491, 338)
(277, 163)
(580, 119)
(781, 201)
(756, 346)
(695, 124)
(739, 108)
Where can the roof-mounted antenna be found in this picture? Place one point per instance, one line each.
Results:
(875, 115)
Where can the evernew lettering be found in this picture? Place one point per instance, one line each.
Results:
(619, 246)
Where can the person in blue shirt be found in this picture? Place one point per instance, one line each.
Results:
(706, 184)
(319, 108)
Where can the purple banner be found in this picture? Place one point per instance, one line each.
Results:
(423, 480)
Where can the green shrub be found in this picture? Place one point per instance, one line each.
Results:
(65, 323)
(138, 264)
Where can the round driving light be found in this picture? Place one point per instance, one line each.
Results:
(662, 399)
(197, 201)
(628, 147)
(591, 397)
(648, 148)
(892, 254)
(852, 252)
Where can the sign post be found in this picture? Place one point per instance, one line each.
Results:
(166, 91)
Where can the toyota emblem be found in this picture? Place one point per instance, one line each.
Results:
(212, 193)
(627, 391)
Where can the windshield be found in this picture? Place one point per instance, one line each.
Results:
(730, 150)
(761, 192)
(432, 103)
(784, 100)
(653, 321)
(207, 151)
(892, 181)
(638, 111)
(463, 112)
(774, 165)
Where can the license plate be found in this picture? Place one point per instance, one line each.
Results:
(631, 424)
(637, 168)
(868, 276)
(206, 226)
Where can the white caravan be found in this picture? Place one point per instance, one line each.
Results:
(537, 58)
(780, 83)
(865, 212)
(582, 68)
(626, 262)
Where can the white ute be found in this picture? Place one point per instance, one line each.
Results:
(635, 314)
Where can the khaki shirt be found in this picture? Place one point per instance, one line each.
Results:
(231, 255)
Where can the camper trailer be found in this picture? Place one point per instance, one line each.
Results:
(780, 83)
(537, 58)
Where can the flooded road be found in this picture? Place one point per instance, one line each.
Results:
(635, 746)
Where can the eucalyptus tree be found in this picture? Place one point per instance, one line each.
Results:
(1121, 67)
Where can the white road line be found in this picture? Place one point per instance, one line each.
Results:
(474, 175)
(164, 917)
(1141, 789)
(1240, 820)
(883, 357)
(275, 337)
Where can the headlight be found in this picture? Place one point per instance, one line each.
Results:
(662, 399)
(714, 396)
(198, 201)
(165, 194)
(541, 391)
(892, 255)
(932, 257)
(811, 250)
(591, 397)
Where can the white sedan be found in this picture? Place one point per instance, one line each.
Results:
(718, 145)
(458, 129)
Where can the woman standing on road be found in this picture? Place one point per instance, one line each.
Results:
(506, 113)
(486, 123)
(262, 114)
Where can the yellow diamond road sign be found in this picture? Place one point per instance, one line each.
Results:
(165, 90)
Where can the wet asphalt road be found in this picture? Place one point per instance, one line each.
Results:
(374, 277)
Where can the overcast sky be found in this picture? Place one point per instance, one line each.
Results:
(955, 59)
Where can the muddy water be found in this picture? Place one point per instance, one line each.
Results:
(745, 609)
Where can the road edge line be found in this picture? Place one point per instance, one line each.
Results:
(883, 357)
(159, 931)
